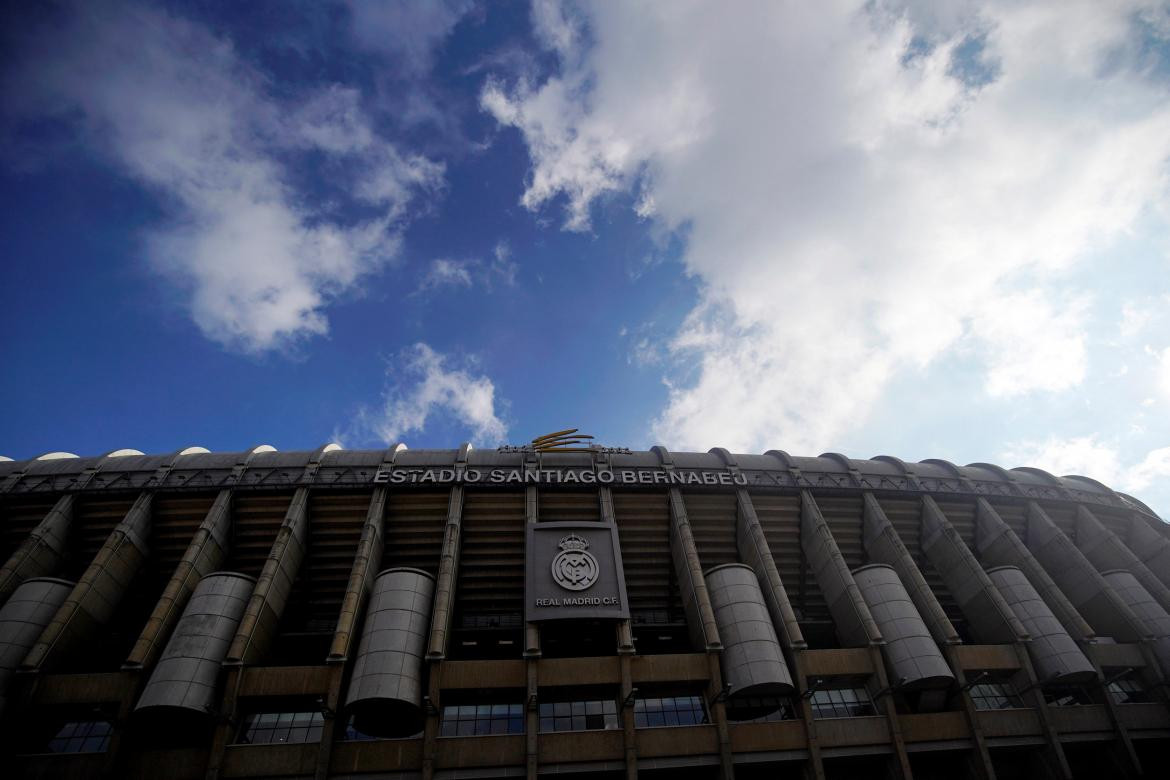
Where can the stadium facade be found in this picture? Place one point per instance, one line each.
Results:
(591, 613)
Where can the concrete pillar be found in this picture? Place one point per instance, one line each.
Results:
(689, 572)
(205, 554)
(855, 625)
(912, 657)
(752, 545)
(386, 686)
(752, 662)
(1106, 551)
(1000, 546)
(1054, 653)
(273, 586)
(883, 545)
(98, 593)
(366, 562)
(187, 674)
(22, 619)
(42, 552)
(992, 619)
(1154, 618)
(1078, 580)
(1150, 544)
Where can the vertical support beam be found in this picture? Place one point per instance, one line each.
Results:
(700, 619)
(273, 586)
(441, 617)
(855, 625)
(753, 548)
(883, 544)
(1106, 551)
(1079, 580)
(1054, 756)
(99, 591)
(1150, 545)
(999, 546)
(851, 616)
(532, 658)
(624, 635)
(204, 555)
(367, 561)
(42, 552)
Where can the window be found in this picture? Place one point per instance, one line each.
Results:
(290, 727)
(994, 695)
(469, 720)
(1067, 696)
(578, 715)
(760, 709)
(81, 736)
(652, 712)
(841, 703)
(1128, 691)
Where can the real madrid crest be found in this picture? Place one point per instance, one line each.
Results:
(574, 568)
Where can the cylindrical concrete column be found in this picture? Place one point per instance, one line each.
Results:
(386, 688)
(1153, 617)
(753, 664)
(188, 670)
(912, 655)
(1055, 654)
(23, 618)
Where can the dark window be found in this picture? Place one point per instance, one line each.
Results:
(81, 736)
(1067, 696)
(1128, 691)
(469, 720)
(578, 715)
(652, 712)
(290, 727)
(994, 695)
(760, 709)
(841, 703)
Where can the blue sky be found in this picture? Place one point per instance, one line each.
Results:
(921, 229)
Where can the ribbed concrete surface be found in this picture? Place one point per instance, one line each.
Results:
(910, 651)
(1055, 655)
(386, 687)
(188, 670)
(753, 664)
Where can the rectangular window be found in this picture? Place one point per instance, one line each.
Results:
(478, 720)
(81, 736)
(654, 711)
(841, 703)
(994, 695)
(289, 727)
(760, 709)
(1128, 691)
(1067, 696)
(586, 715)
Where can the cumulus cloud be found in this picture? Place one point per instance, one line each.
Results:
(174, 107)
(445, 273)
(408, 31)
(1090, 456)
(864, 187)
(426, 387)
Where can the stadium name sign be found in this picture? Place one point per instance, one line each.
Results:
(459, 476)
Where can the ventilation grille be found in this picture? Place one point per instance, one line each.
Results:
(713, 518)
(643, 521)
(491, 562)
(578, 507)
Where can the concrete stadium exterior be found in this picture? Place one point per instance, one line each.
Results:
(592, 613)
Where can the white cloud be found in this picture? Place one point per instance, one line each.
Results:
(181, 113)
(408, 31)
(1084, 456)
(863, 188)
(425, 388)
(1147, 476)
(1162, 363)
(503, 266)
(446, 273)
